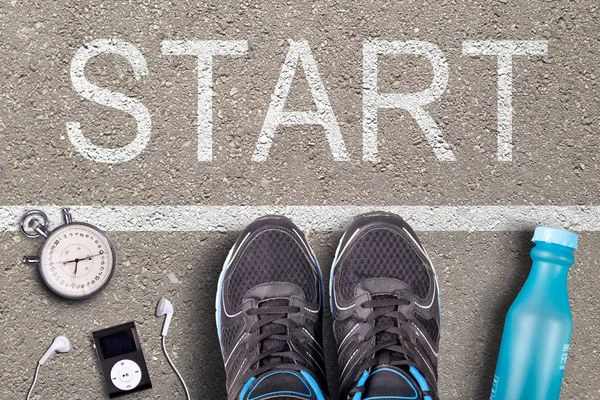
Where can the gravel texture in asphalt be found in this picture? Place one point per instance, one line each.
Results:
(555, 106)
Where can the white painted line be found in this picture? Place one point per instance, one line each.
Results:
(314, 218)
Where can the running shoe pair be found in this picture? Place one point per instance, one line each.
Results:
(384, 303)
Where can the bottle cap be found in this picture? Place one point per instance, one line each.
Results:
(555, 236)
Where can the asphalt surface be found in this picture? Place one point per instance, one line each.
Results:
(555, 162)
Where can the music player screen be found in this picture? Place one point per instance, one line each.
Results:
(117, 344)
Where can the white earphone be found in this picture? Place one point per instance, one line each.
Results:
(164, 307)
(61, 344)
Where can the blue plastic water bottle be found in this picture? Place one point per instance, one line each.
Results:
(538, 326)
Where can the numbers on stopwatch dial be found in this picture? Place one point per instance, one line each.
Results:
(77, 260)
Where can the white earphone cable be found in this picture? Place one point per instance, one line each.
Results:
(37, 371)
(164, 346)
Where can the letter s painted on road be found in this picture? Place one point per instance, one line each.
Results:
(109, 98)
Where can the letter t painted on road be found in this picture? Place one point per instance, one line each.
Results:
(505, 50)
(205, 50)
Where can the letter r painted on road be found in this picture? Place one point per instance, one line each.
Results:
(505, 50)
(109, 98)
(205, 50)
(411, 102)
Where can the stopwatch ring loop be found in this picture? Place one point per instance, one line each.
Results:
(39, 216)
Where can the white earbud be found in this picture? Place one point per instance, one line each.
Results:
(60, 344)
(164, 307)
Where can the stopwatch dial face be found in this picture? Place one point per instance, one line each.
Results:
(77, 260)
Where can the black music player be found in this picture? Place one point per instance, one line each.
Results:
(121, 359)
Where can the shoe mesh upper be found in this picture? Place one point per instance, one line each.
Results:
(273, 255)
(430, 325)
(341, 327)
(382, 253)
(231, 333)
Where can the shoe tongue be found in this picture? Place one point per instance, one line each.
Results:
(281, 385)
(391, 383)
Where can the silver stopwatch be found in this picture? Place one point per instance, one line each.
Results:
(76, 261)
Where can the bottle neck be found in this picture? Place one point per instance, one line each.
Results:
(544, 272)
(550, 268)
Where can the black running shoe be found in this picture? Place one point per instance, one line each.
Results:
(386, 311)
(269, 315)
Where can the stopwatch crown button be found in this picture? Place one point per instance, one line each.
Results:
(31, 260)
(67, 215)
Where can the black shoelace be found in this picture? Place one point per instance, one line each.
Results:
(390, 348)
(272, 335)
